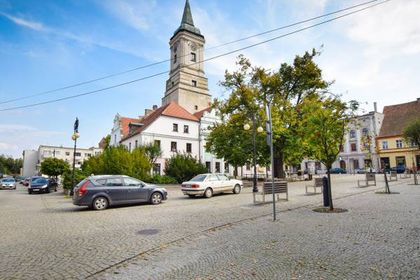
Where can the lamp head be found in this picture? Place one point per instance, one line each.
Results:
(247, 126)
(260, 129)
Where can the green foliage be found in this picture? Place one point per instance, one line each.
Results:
(79, 175)
(54, 167)
(159, 179)
(153, 152)
(183, 167)
(411, 133)
(9, 165)
(118, 160)
(251, 88)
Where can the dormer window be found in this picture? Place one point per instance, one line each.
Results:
(193, 57)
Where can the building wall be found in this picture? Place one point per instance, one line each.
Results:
(30, 160)
(410, 154)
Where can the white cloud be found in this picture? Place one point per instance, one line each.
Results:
(132, 13)
(24, 22)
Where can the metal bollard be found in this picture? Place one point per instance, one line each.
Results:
(325, 191)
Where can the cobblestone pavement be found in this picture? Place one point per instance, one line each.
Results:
(46, 237)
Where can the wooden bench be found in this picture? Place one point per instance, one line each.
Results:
(280, 186)
(317, 184)
(393, 176)
(370, 177)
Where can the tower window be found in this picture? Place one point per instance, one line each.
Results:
(193, 57)
(194, 83)
(175, 127)
(175, 57)
(196, 107)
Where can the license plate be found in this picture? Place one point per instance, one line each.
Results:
(36, 190)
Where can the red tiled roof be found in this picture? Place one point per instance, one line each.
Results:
(200, 114)
(397, 117)
(170, 110)
(124, 123)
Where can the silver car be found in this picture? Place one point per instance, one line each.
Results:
(8, 183)
(208, 184)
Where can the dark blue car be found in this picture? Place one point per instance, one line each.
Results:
(399, 169)
(41, 185)
(99, 192)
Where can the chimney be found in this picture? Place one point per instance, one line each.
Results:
(155, 107)
(147, 112)
(418, 99)
(375, 107)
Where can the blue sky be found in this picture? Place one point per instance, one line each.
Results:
(372, 56)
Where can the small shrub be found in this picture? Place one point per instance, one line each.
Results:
(78, 176)
(159, 179)
(183, 167)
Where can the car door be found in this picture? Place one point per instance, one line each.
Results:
(115, 189)
(225, 182)
(215, 183)
(136, 190)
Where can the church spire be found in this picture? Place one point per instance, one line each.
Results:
(187, 22)
(187, 16)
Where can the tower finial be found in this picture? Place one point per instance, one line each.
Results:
(187, 16)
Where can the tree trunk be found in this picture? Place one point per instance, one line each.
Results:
(329, 187)
(235, 171)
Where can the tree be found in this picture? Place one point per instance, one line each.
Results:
(53, 167)
(153, 152)
(9, 165)
(411, 134)
(286, 90)
(183, 167)
(325, 129)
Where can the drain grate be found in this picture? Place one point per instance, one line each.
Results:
(148, 231)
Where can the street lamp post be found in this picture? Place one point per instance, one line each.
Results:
(270, 143)
(74, 138)
(254, 144)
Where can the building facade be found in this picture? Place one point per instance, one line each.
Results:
(393, 150)
(359, 150)
(32, 159)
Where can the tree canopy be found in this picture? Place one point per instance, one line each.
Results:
(54, 167)
(411, 133)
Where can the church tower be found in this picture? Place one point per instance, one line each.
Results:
(187, 84)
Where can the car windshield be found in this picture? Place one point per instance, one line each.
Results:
(39, 181)
(199, 178)
(8, 180)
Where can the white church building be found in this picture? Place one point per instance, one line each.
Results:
(181, 124)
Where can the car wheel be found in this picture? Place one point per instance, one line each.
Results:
(47, 190)
(156, 198)
(208, 193)
(236, 189)
(100, 203)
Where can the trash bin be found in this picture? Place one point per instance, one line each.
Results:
(325, 191)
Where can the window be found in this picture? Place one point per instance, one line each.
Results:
(212, 178)
(365, 131)
(384, 145)
(400, 161)
(248, 166)
(173, 146)
(77, 154)
(129, 147)
(208, 166)
(352, 133)
(157, 143)
(353, 147)
(115, 138)
(136, 144)
(88, 154)
(189, 147)
(399, 143)
(223, 177)
(193, 57)
(113, 182)
(341, 148)
(175, 57)
(186, 129)
(67, 153)
(175, 127)
(196, 107)
(156, 168)
(218, 167)
(132, 182)
(194, 83)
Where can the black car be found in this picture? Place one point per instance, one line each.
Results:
(41, 185)
(99, 192)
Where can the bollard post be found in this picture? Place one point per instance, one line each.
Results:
(325, 192)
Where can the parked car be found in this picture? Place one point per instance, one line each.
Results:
(360, 170)
(208, 184)
(41, 185)
(338, 170)
(8, 183)
(398, 169)
(100, 192)
(19, 179)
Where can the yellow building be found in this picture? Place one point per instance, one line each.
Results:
(393, 150)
